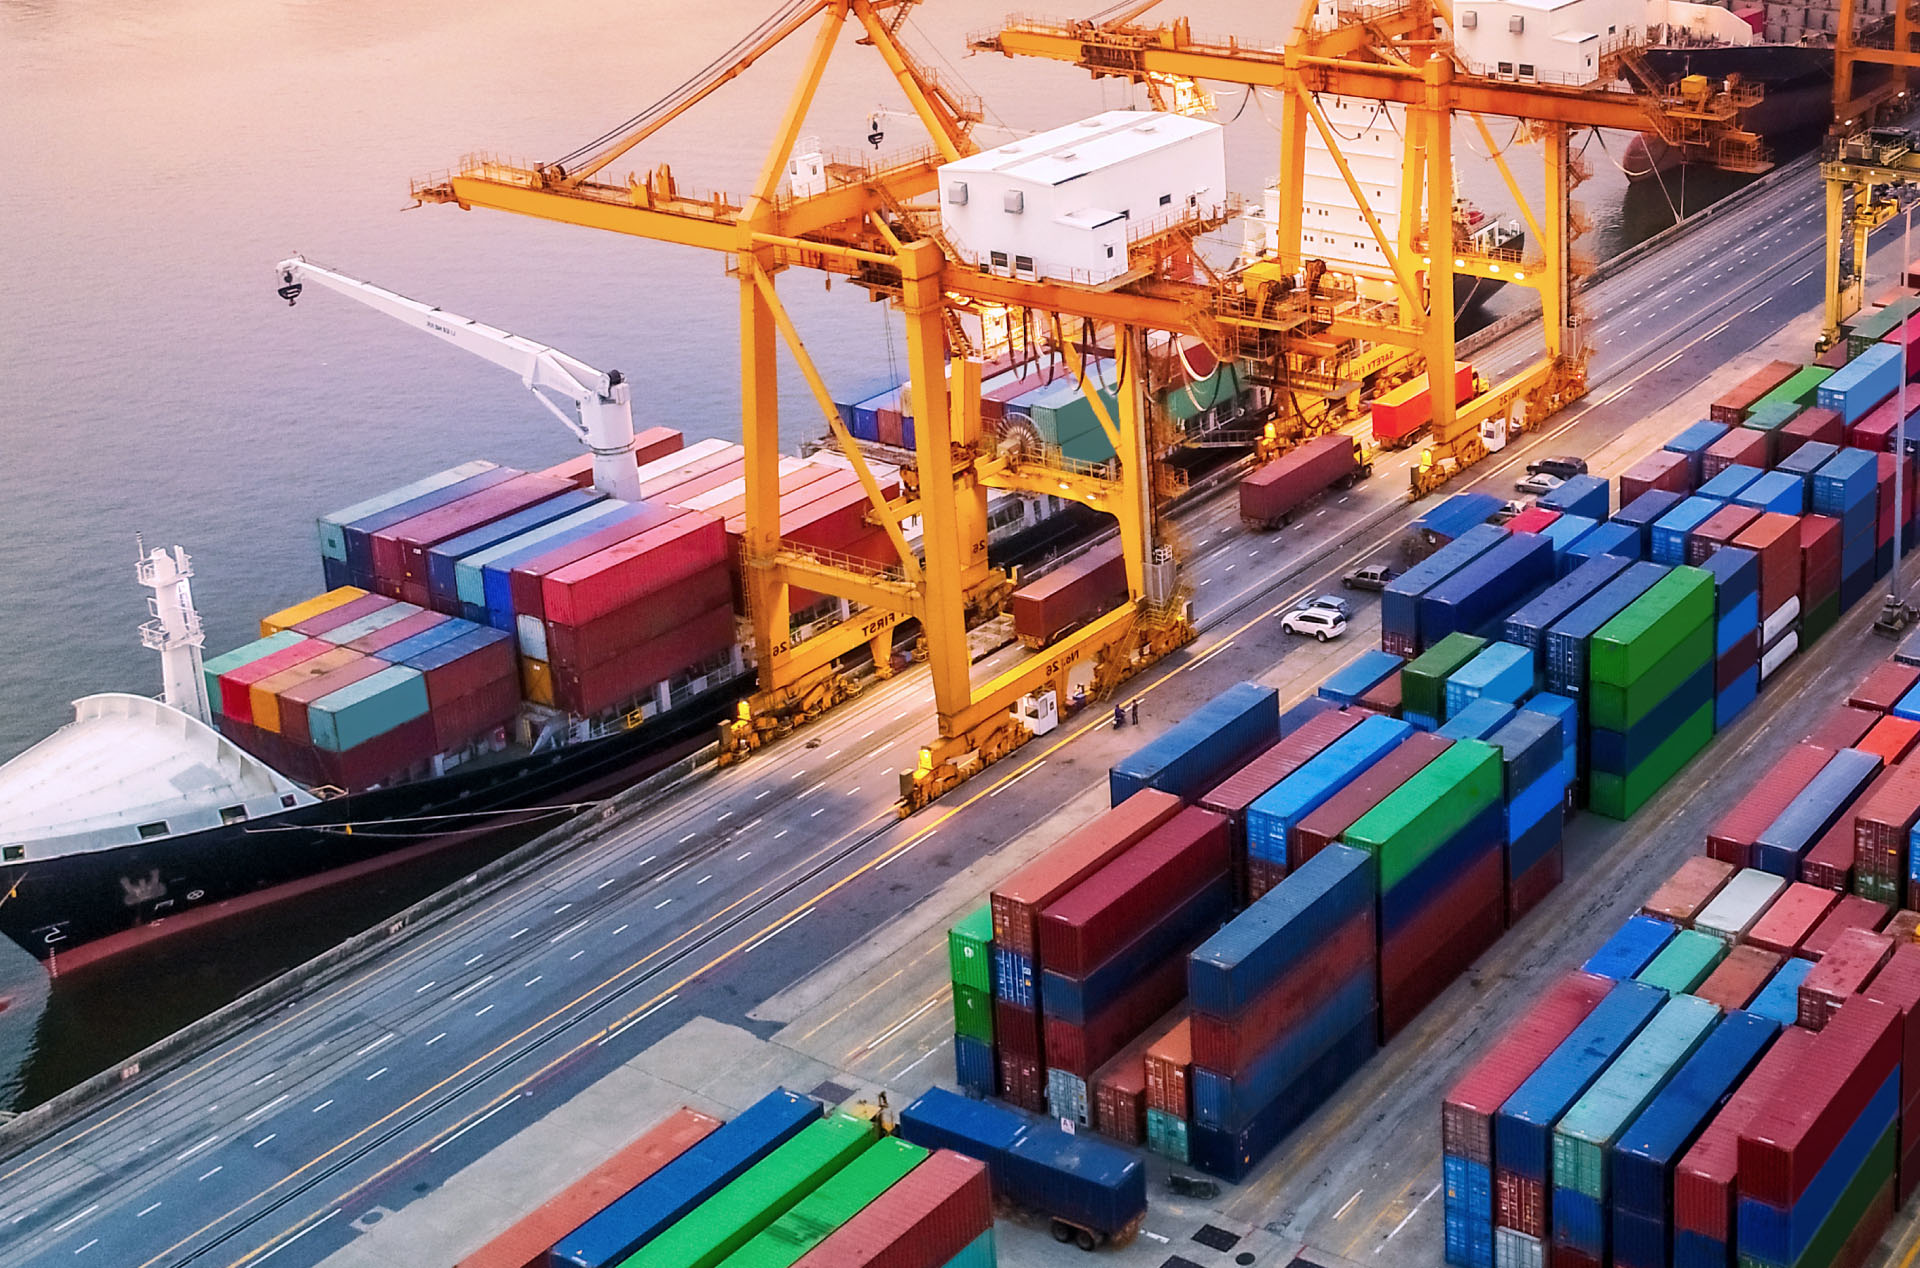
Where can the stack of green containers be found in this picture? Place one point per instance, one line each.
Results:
(1423, 680)
(1064, 416)
(1688, 959)
(1650, 674)
(1800, 391)
(836, 1201)
(768, 1190)
(970, 961)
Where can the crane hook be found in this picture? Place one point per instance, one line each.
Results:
(290, 291)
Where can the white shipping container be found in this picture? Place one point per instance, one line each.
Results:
(1739, 904)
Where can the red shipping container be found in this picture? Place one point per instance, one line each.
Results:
(1875, 429)
(923, 1220)
(1229, 1045)
(699, 639)
(1842, 973)
(1232, 795)
(1384, 696)
(1118, 1089)
(1520, 1203)
(1466, 1113)
(1740, 447)
(1070, 595)
(527, 582)
(525, 1245)
(1717, 530)
(1023, 1081)
(459, 722)
(1738, 978)
(1841, 727)
(400, 552)
(1850, 912)
(381, 760)
(236, 685)
(1738, 659)
(1809, 425)
(1783, 1145)
(1016, 1029)
(639, 566)
(699, 475)
(1898, 986)
(1535, 519)
(1682, 895)
(1436, 946)
(1270, 495)
(1794, 913)
(1819, 555)
(603, 638)
(485, 665)
(1341, 811)
(654, 442)
(1883, 686)
(1883, 820)
(1394, 419)
(1018, 900)
(334, 618)
(993, 401)
(1662, 469)
(1703, 1180)
(1731, 839)
(399, 632)
(1169, 1070)
(1083, 928)
(294, 700)
(1775, 539)
(804, 483)
(1527, 890)
(1082, 1049)
(1731, 406)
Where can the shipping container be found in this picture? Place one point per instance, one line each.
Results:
(1682, 895)
(1019, 900)
(1085, 926)
(1703, 1181)
(1196, 751)
(926, 1219)
(1742, 446)
(1483, 590)
(1423, 680)
(629, 571)
(1794, 913)
(443, 557)
(1118, 1089)
(1849, 911)
(1740, 977)
(1843, 972)
(1324, 826)
(1631, 948)
(1666, 471)
(1271, 495)
(286, 618)
(508, 579)
(1739, 905)
(1234, 794)
(1732, 838)
(1400, 601)
(1414, 820)
(1567, 639)
(1731, 406)
(1345, 685)
(1863, 383)
(1398, 414)
(1070, 595)
(332, 526)
(839, 1198)
(1272, 817)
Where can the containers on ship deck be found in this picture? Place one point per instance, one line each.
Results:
(338, 561)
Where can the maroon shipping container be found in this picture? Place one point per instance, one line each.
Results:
(700, 638)
(398, 632)
(1841, 727)
(1070, 595)
(1717, 530)
(1118, 1089)
(1466, 1113)
(1737, 660)
(527, 583)
(400, 552)
(460, 722)
(1082, 1049)
(1083, 928)
(1229, 1045)
(1883, 686)
(1740, 447)
(1345, 808)
(481, 667)
(1520, 1203)
(1731, 839)
(1016, 1029)
(1018, 901)
(993, 401)
(1169, 1070)
(923, 1220)
(1898, 986)
(1738, 978)
(525, 1245)
(1703, 1182)
(381, 760)
(1883, 821)
(1842, 973)
(1529, 889)
(1270, 495)
(294, 700)
(1775, 539)
(1875, 428)
(1786, 1141)
(1851, 911)
(1819, 552)
(1662, 469)
(1682, 895)
(1794, 913)
(600, 640)
(1436, 946)
(334, 618)
(1809, 425)
(1732, 405)
(1829, 864)
(1384, 696)
(627, 572)
(1023, 1081)
(1232, 795)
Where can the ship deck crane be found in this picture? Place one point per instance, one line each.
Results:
(605, 421)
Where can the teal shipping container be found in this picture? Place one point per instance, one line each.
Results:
(367, 709)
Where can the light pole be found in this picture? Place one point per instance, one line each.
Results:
(1900, 430)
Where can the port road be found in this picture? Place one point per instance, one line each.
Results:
(284, 1143)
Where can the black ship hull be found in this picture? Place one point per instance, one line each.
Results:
(83, 908)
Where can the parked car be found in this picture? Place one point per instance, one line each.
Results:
(1507, 511)
(1538, 483)
(1332, 603)
(1562, 466)
(1368, 577)
(1321, 623)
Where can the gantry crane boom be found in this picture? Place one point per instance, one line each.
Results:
(605, 422)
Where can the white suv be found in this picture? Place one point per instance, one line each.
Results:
(1322, 623)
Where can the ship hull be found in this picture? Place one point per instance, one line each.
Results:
(80, 909)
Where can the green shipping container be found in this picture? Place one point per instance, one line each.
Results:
(1615, 708)
(1184, 403)
(973, 1014)
(1879, 889)
(1772, 417)
(1618, 797)
(828, 1207)
(1822, 615)
(970, 950)
(1870, 1186)
(1065, 417)
(1872, 327)
(1651, 628)
(1423, 680)
(1416, 818)
(1585, 1134)
(770, 1188)
(240, 658)
(1801, 389)
(1684, 962)
(1167, 1135)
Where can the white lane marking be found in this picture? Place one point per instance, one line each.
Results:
(741, 858)
(883, 748)
(900, 1025)
(386, 1038)
(1762, 304)
(881, 866)
(484, 1011)
(603, 884)
(809, 792)
(704, 879)
(535, 978)
(776, 931)
(1803, 277)
(763, 792)
(561, 908)
(853, 790)
(278, 1100)
(150, 1210)
(643, 862)
(576, 955)
(436, 1039)
(216, 1171)
(430, 985)
(266, 1078)
(1017, 778)
(724, 817)
(383, 1069)
(322, 1105)
(569, 931)
(1409, 1218)
(302, 1233)
(690, 836)
(1348, 1206)
(1155, 1236)
(622, 929)
(470, 1126)
(940, 1047)
(71, 1220)
(86, 1245)
(470, 963)
(468, 990)
(631, 1022)
(816, 814)
(190, 1152)
(264, 1139)
(518, 932)
(833, 755)
(782, 832)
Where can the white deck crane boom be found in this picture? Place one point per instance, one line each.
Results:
(605, 424)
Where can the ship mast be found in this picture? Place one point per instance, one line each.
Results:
(175, 630)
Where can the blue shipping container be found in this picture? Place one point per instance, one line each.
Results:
(1862, 383)
(1195, 752)
(1694, 441)
(1567, 637)
(1399, 603)
(1527, 625)
(1476, 720)
(1728, 482)
(1583, 495)
(331, 526)
(1359, 676)
(1778, 491)
(1502, 671)
(442, 581)
(1611, 538)
(1282, 928)
(1485, 589)
(1231, 1155)
(1631, 948)
(1456, 515)
(1808, 816)
(1668, 540)
(1275, 813)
